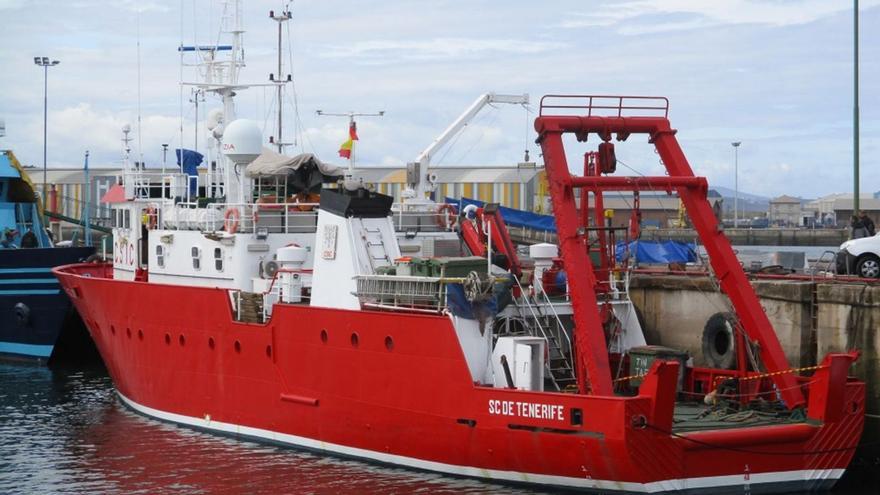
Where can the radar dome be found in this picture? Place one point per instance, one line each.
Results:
(242, 141)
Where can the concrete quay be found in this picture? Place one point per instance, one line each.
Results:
(811, 318)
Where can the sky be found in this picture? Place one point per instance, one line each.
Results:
(776, 75)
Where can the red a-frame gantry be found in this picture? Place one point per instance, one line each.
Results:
(577, 115)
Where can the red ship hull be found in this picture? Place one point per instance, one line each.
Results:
(395, 388)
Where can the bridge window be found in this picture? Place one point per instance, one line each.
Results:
(114, 222)
(160, 256)
(218, 259)
(197, 257)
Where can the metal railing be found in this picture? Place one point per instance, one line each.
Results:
(270, 218)
(418, 218)
(423, 294)
(620, 106)
(286, 218)
(169, 185)
(557, 338)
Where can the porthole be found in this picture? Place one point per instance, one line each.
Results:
(128, 332)
(389, 343)
(140, 335)
(112, 329)
(237, 346)
(355, 340)
(181, 339)
(324, 336)
(268, 351)
(210, 342)
(168, 339)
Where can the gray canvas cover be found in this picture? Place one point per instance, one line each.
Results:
(273, 164)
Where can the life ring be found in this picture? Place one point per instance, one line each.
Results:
(446, 217)
(719, 344)
(150, 218)
(230, 220)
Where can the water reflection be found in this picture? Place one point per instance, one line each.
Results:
(64, 431)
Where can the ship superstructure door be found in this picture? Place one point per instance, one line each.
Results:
(125, 234)
(131, 225)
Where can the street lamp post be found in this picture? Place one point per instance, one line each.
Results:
(45, 63)
(735, 145)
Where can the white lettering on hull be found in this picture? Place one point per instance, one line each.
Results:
(529, 410)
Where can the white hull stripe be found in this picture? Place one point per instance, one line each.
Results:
(686, 484)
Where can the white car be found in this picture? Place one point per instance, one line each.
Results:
(860, 257)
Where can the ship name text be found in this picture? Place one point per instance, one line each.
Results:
(526, 409)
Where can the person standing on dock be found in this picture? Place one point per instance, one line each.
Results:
(858, 227)
(867, 223)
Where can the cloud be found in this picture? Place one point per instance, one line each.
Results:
(775, 74)
(73, 130)
(12, 4)
(656, 16)
(438, 49)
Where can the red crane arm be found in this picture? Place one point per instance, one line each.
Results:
(589, 335)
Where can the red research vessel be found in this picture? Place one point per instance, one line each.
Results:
(352, 350)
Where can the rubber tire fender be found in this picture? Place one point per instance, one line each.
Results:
(719, 349)
(22, 314)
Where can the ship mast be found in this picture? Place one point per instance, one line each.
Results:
(221, 78)
(278, 79)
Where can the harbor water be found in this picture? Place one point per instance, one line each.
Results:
(62, 430)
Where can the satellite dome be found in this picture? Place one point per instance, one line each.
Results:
(242, 141)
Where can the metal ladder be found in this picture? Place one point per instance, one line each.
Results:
(376, 250)
(545, 323)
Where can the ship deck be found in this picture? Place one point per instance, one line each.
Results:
(693, 416)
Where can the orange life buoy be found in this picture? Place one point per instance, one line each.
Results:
(230, 220)
(446, 216)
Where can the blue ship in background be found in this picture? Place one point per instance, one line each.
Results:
(33, 308)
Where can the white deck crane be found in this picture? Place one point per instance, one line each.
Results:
(420, 181)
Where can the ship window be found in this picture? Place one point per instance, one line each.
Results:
(160, 256)
(218, 259)
(113, 220)
(126, 219)
(197, 257)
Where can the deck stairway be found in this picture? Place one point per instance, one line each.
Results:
(537, 318)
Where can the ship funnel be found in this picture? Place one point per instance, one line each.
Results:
(242, 141)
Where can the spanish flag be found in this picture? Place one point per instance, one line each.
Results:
(345, 149)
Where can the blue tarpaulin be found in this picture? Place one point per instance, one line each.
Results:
(658, 252)
(515, 218)
(189, 165)
(643, 251)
